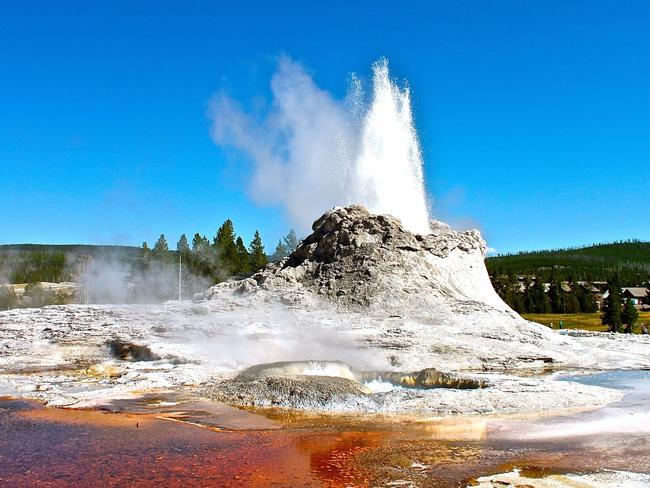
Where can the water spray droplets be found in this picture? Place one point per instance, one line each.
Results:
(312, 151)
(388, 167)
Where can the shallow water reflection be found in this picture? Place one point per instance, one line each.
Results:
(141, 447)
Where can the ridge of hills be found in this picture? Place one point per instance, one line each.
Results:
(596, 262)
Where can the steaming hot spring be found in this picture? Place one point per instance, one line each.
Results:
(364, 316)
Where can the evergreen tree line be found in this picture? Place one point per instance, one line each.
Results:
(34, 266)
(225, 256)
(35, 263)
(123, 274)
(619, 314)
(533, 296)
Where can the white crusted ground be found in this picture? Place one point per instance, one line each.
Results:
(59, 354)
(605, 479)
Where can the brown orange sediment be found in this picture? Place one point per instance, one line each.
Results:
(86, 417)
(60, 447)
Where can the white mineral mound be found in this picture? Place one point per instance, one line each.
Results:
(428, 298)
(362, 261)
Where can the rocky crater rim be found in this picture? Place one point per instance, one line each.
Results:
(344, 231)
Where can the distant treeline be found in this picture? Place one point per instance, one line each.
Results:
(224, 256)
(218, 259)
(537, 297)
(630, 260)
(117, 274)
(619, 315)
(33, 263)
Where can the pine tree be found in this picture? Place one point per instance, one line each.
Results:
(571, 303)
(146, 253)
(280, 252)
(290, 241)
(580, 295)
(586, 301)
(182, 245)
(226, 248)
(8, 298)
(612, 306)
(161, 249)
(529, 303)
(554, 297)
(630, 315)
(540, 298)
(199, 243)
(509, 292)
(243, 258)
(256, 249)
(518, 300)
(647, 293)
(501, 285)
(590, 305)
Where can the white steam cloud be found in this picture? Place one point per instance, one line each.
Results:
(312, 152)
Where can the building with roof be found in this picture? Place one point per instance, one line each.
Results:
(637, 294)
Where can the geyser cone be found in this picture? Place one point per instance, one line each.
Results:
(357, 259)
(424, 300)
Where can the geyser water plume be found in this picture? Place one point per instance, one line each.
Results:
(388, 166)
(311, 151)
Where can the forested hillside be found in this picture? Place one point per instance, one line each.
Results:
(598, 262)
(32, 263)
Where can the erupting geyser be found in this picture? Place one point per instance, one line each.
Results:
(312, 151)
(388, 165)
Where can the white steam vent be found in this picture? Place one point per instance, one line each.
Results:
(311, 151)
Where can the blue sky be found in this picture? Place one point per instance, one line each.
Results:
(534, 117)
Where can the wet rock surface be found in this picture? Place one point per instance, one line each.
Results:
(311, 385)
(337, 369)
(300, 391)
(127, 351)
(340, 395)
(426, 379)
(324, 385)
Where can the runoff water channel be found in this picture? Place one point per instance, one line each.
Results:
(198, 445)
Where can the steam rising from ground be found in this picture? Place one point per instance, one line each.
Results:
(112, 278)
(311, 151)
